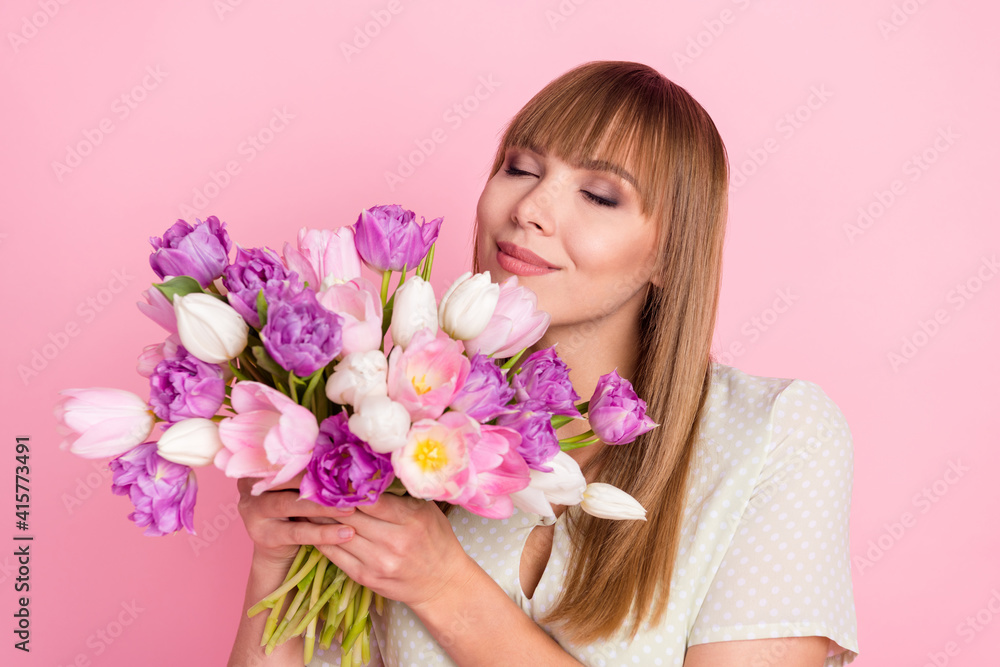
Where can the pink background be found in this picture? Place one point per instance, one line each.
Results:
(808, 291)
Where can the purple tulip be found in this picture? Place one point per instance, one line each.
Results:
(486, 393)
(250, 272)
(300, 334)
(389, 238)
(544, 377)
(616, 414)
(344, 471)
(183, 386)
(162, 492)
(539, 443)
(201, 251)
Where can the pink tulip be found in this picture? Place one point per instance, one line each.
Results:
(434, 462)
(324, 254)
(516, 323)
(154, 354)
(101, 422)
(499, 471)
(359, 303)
(159, 309)
(426, 375)
(271, 436)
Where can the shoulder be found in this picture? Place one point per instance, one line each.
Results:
(752, 427)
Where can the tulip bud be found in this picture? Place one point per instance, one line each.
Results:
(209, 328)
(381, 422)
(609, 502)
(468, 305)
(357, 376)
(102, 422)
(414, 308)
(191, 442)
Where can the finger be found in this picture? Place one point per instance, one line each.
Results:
(344, 559)
(394, 509)
(316, 534)
(286, 504)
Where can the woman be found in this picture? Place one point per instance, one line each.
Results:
(608, 197)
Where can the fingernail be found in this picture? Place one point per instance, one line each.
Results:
(345, 533)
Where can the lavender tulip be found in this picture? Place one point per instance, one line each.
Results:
(389, 238)
(616, 414)
(300, 334)
(183, 386)
(486, 393)
(544, 377)
(344, 471)
(250, 272)
(162, 492)
(200, 251)
(539, 443)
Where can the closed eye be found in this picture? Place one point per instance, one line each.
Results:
(511, 171)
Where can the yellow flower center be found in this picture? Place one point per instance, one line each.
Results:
(430, 455)
(420, 384)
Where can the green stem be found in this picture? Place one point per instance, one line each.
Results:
(513, 360)
(578, 445)
(293, 581)
(385, 285)
(311, 388)
(577, 438)
(429, 262)
(291, 386)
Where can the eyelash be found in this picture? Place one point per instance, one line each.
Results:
(600, 201)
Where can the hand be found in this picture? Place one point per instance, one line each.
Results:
(404, 549)
(278, 522)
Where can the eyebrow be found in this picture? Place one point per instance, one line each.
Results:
(594, 165)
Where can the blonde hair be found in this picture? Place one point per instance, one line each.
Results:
(618, 576)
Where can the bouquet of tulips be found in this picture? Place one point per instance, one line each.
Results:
(283, 370)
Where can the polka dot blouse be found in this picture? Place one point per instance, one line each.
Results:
(763, 550)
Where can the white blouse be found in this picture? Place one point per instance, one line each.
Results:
(764, 543)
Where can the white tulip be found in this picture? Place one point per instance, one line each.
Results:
(209, 328)
(563, 486)
(610, 502)
(357, 376)
(381, 422)
(468, 305)
(191, 442)
(414, 308)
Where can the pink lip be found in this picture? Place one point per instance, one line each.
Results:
(520, 261)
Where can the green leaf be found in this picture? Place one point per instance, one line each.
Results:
(262, 308)
(266, 361)
(182, 285)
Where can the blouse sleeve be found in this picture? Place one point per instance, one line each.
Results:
(787, 571)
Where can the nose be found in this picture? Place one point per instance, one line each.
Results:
(538, 208)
